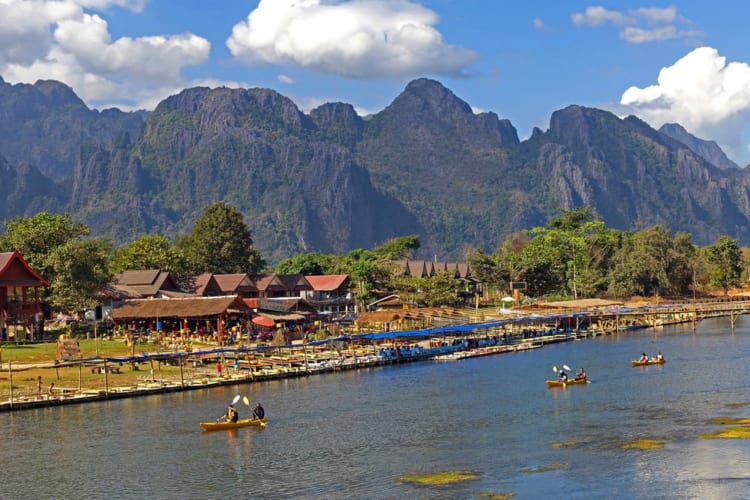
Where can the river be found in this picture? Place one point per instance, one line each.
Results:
(354, 434)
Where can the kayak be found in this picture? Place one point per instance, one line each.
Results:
(637, 362)
(572, 381)
(222, 426)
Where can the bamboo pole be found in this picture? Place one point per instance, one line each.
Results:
(10, 377)
(106, 378)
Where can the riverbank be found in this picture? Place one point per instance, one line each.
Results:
(108, 369)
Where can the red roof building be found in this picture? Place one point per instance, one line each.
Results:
(20, 309)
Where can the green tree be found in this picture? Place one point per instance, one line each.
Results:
(398, 248)
(309, 264)
(725, 258)
(650, 263)
(220, 243)
(148, 252)
(80, 271)
(37, 236)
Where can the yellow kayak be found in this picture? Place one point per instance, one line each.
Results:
(637, 362)
(222, 426)
(560, 383)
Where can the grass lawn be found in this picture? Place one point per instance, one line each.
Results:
(24, 376)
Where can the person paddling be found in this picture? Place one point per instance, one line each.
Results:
(231, 415)
(259, 412)
(581, 375)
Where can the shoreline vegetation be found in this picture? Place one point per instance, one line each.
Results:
(98, 375)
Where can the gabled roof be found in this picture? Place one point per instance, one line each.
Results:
(268, 282)
(423, 268)
(328, 282)
(192, 307)
(15, 271)
(233, 283)
(146, 283)
(294, 282)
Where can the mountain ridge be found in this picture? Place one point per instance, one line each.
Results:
(331, 181)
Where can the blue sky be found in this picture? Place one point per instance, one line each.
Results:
(680, 61)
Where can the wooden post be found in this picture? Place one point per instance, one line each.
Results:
(10, 378)
(182, 379)
(106, 378)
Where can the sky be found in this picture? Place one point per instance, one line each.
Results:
(682, 61)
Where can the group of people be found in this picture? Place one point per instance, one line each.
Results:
(563, 377)
(644, 357)
(232, 415)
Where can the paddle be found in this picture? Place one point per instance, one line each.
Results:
(247, 402)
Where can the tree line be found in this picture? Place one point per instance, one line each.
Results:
(574, 256)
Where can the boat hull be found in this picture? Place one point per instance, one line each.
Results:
(636, 362)
(223, 426)
(559, 383)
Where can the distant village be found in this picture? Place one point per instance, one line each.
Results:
(223, 308)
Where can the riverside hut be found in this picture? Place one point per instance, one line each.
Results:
(20, 308)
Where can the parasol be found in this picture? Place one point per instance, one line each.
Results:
(263, 321)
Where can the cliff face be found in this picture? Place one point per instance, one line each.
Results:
(45, 124)
(331, 181)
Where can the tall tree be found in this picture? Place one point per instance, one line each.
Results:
(37, 236)
(725, 258)
(80, 271)
(309, 264)
(148, 252)
(650, 263)
(398, 248)
(220, 243)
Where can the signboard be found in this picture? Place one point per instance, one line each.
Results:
(68, 349)
(518, 285)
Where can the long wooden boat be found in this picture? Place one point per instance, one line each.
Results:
(637, 362)
(222, 426)
(571, 381)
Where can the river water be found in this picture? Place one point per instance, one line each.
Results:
(354, 434)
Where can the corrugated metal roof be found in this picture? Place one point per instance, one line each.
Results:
(328, 282)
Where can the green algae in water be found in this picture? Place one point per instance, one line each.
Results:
(742, 432)
(645, 444)
(729, 421)
(496, 496)
(737, 405)
(546, 468)
(439, 478)
(566, 444)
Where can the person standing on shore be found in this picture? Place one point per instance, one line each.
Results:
(39, 387)
(51, 390)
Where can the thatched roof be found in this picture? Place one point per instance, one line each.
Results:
(379, 317)
(192, 307)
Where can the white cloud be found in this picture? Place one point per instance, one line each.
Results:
(285, 79)
(58, 39)
(703, 93)
(356, 38)
(646, 24)
(538, 23)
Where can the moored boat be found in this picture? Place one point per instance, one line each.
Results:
(652, 361)
(572, 381)
(222, 426)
